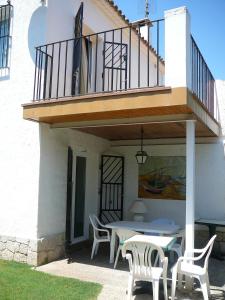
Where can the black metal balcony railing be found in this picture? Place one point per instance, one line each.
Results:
(107, 61)
(202, 80)
(114, 60)
(5, 37)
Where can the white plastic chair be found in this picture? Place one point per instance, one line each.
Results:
(97, 237)
(178, 246)
(123, 235)
(159, 221)
(140, 258)
(185, 266)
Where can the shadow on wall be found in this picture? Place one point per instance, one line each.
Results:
(37, 30)
(52, 182)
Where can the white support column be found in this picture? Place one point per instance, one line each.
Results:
(177, 48)
(190, 184)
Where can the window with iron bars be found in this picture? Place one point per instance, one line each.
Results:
(5, 37)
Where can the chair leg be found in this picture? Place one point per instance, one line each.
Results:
(96, 248)
(203, 282)
(208, 284)
(156, 260)
(155, 286)
(180, 281)
(179, 252)
(172, 257)
(130, 287)
(174, 284)
(93, 249)
(165, 288)
(117, 257)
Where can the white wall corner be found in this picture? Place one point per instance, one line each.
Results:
(219, 104)
(177, 48)
(175, 11)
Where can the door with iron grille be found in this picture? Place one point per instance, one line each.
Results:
(111, 191)
(114, 75)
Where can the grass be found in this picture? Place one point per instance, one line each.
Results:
(20, 282)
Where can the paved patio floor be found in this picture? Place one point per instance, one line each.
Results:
(78, 265)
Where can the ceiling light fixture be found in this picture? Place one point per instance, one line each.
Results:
(141, 155)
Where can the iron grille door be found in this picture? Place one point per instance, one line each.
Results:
(111, 192)
(77, 51)
(114, 75)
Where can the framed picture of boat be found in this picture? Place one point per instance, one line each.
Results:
(163, 177)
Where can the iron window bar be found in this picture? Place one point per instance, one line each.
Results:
(5, 34)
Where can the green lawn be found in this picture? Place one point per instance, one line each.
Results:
(20, 282)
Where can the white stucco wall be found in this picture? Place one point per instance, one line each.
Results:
(54, 143)
(53, 176)
(210, 177)
(33, 165)
(220, 104)
(98, 17)
(178, 38)
(19, 149)
(32, 203)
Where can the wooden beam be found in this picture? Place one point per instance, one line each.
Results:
(128, 104)
(147, 103)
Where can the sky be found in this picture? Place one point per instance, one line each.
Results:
(207, 25)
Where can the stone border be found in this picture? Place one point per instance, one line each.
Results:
(33, 252)
(50, 248)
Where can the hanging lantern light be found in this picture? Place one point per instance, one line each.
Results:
(141, 155)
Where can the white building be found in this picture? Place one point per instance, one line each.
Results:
(92, 95)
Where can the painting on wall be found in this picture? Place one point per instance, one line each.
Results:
(163, 177)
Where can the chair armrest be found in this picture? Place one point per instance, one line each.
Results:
(201, 253)
(129, 258)
(104, 230)
(194, 251)
(188, 258)
(100, 223)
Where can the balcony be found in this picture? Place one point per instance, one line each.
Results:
(109, 61)
(122, 77)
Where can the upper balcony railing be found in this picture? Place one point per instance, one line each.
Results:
(118, 60)
(108, 61)
(202, 80)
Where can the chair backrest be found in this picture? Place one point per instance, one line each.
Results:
(163, 221)
(98, 222)
(142, 257)
(181, 237)
(95, 225)
(125, 234)
(207, 251)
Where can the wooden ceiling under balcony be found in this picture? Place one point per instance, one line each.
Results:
(151, 131)
(119, 115)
